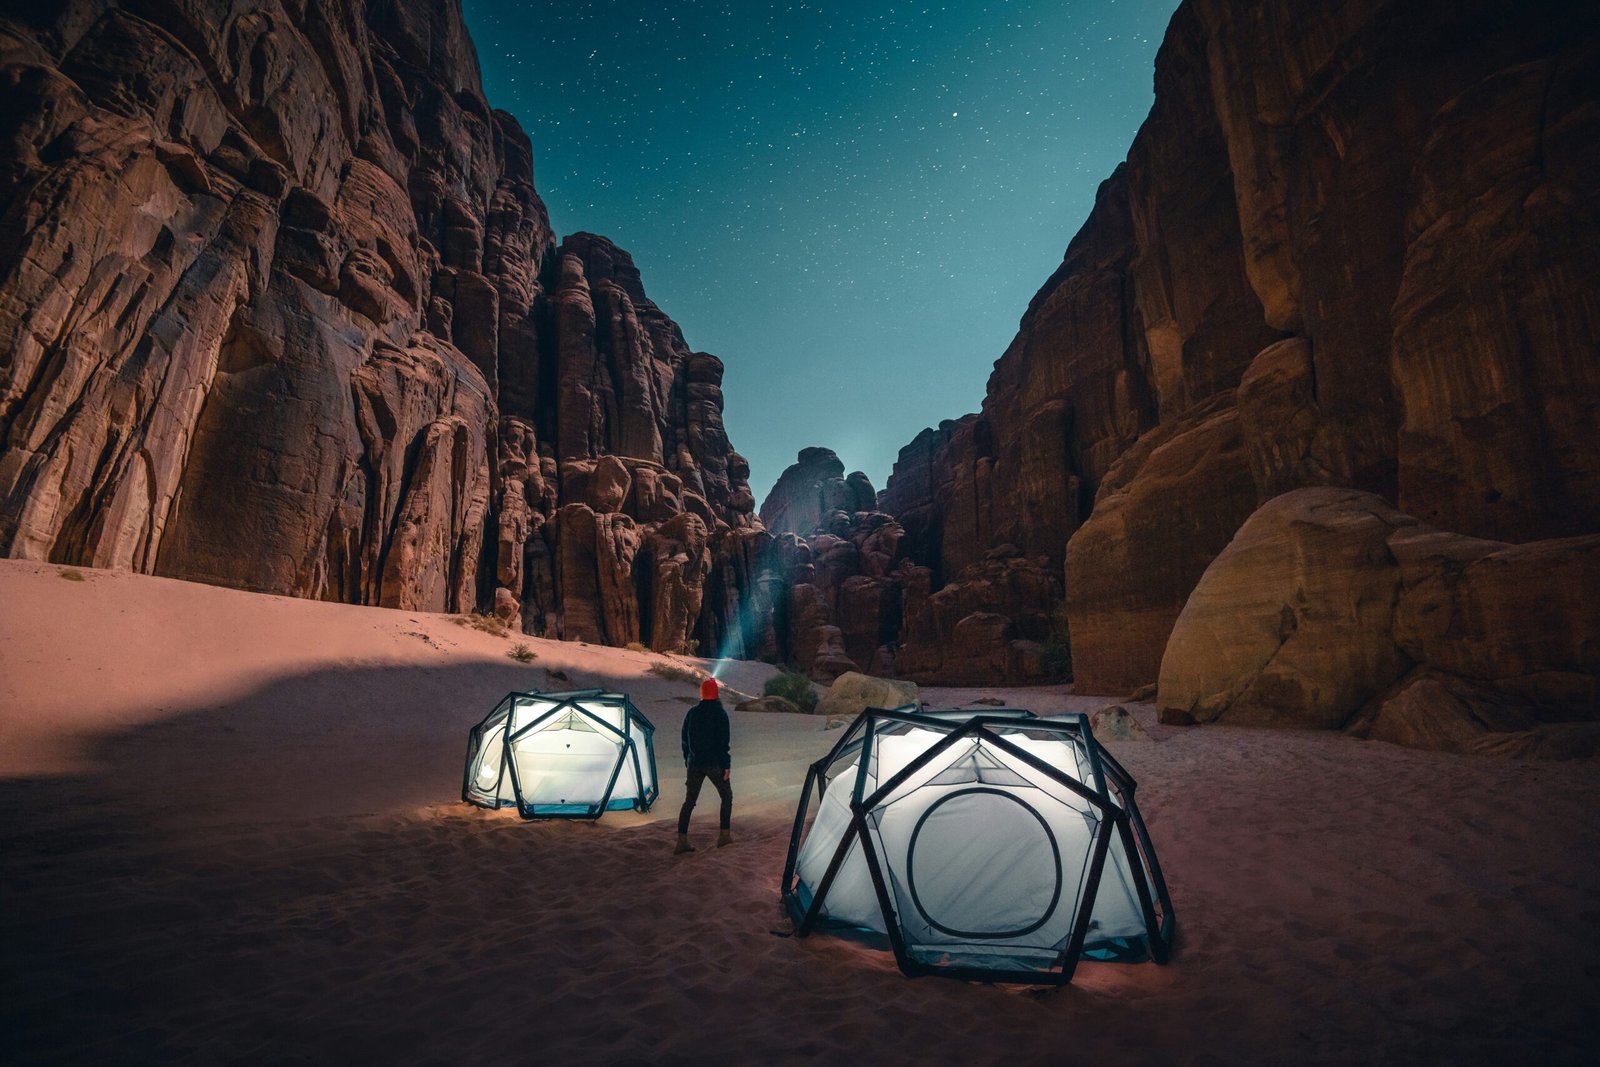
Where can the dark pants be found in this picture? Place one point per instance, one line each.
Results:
(691, 794)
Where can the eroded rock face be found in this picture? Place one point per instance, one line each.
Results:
(1353, 245)
(813, 488)
(282, 310)
(1330, 608)
(253, 259)
(985, 628)
(633, 435)
(1170, 504)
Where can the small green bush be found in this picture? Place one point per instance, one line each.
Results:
(71, 575)
(793, 687)
(1055, 654)
(486, 623)
(674, 673)
(555, 675)
(523, 654)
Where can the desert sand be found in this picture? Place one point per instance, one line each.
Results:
(230, 830)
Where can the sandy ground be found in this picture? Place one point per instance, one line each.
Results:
(230, 830)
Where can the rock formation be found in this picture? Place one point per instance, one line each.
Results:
(281, 309)
(1352, 245)
(855, 599)
(1330, 608)
(853, 693)
(637, 485)
(813, 492)
(225, 230)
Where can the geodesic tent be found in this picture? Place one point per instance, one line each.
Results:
(570, 755)
(994, 847)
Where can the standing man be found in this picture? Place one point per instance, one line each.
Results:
(705, 753)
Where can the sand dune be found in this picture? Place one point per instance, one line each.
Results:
(230, 830)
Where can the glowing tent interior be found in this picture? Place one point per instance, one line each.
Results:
(998, 847)
(570, 755)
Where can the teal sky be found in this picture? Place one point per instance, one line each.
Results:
(850, 203)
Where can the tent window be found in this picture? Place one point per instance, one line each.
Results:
(979, 846)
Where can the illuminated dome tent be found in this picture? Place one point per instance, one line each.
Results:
(999, 847)
(570, 755)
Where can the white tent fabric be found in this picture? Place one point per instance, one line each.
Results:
(985, 858)
(574, 755)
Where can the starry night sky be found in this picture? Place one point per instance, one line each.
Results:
(849, 201)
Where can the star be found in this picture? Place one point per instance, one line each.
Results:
(770, 168)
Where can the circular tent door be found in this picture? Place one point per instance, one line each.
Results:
(982, 864)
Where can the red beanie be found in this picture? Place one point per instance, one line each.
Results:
(708, 689)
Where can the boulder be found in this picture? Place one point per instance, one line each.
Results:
(508, 609)
(1435, 710)
(1292, 625)
(1521, 616)
(852, 693)
(1116, 723)
(1430, 709)
(1332, 609)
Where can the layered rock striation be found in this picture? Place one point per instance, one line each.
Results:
(281, 309)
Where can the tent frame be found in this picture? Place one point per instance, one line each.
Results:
(563, 703)
(1111, 796)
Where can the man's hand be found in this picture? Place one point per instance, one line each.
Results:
(727, 774)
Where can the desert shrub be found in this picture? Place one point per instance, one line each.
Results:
(793, 687)
(1055, 653)
(555, 675)
(634, 646)
(486, 623)
(523, 654)
(71, 575)
(672, 672)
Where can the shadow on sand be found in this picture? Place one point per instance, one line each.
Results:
(293, 872)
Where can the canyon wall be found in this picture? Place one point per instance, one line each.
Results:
(1353, 245)
(281, 309)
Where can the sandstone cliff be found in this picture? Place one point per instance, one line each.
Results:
(1353, 245)
(281, 309)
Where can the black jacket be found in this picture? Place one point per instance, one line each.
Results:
(705, 736)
